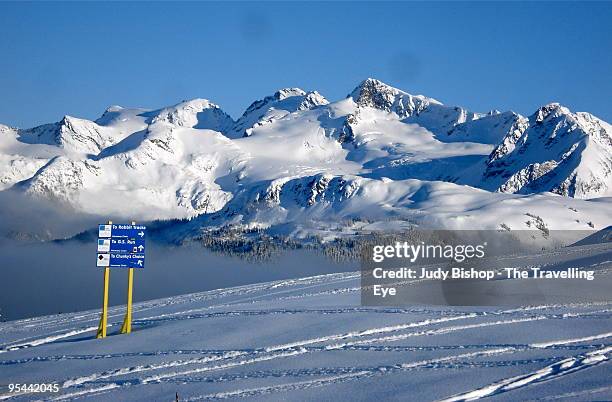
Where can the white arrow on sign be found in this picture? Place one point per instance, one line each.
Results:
(141, 247)
(141, 234)
(139, 262)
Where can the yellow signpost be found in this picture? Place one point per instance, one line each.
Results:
(126, 328)
(104, 318)
(102, 326)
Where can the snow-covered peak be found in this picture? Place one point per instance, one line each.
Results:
(5, 129)
(493, 128)
(274, 107)
(550, 110)
(558, 151)
(595, 128)
(377, 94)
(418, 109)
(311, 100)
(288, 92)
(110, 114)
(195, 113)
(114, 108)
(270, 100)
(554, 121)
(69, 123)
(70, 133)
(372, 92)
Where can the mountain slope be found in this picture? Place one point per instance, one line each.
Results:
(312, 339)
(329, 206)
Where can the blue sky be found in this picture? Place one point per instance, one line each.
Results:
(79, 58)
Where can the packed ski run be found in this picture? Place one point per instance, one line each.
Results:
(304, 338)
(298, 165)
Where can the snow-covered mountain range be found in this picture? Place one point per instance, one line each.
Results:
(297, 164)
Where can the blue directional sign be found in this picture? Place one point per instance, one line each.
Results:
(122, 231)
(121, 246)
(127, 260)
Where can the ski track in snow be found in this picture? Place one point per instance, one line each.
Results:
(49, 339)
(190, 370)
(558, 369)
(279, 388)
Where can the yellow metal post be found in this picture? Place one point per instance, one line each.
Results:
(103, 320)
(126, 328)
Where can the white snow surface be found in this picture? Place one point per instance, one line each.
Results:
(294, 160)
(310, 339)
